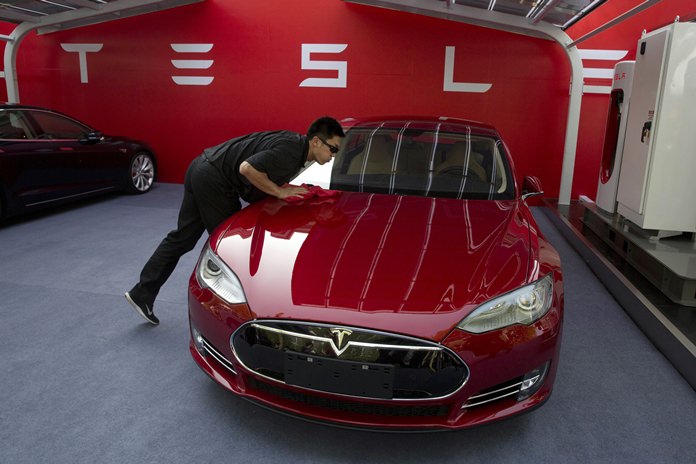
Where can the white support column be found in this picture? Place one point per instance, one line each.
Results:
(572, 125)
(10, 59)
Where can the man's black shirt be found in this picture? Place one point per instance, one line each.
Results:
(279, 154)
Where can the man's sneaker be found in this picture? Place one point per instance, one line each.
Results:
(143, 309)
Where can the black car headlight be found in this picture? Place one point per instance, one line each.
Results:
(214, 274)
(522, 306)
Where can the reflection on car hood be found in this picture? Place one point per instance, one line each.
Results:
(403, 264)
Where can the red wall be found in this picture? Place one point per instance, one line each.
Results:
(395, 65)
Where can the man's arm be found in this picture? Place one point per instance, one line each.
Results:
(261, 181)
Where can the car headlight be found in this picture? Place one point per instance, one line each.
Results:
(522, 306)
(212, 273)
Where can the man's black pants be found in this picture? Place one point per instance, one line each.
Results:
(209, 199)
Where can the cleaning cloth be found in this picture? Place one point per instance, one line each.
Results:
(312, 191)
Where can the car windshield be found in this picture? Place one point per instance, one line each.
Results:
(423, 159)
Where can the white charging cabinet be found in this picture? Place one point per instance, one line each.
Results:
(657, 184)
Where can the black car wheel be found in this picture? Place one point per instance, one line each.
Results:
(141, 172)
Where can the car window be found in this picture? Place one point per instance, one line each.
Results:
(55, 126)
(423, 159)
(14, 125)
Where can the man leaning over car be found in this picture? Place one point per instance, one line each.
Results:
(252, 167)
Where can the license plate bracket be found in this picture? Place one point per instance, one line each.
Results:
(369, 380)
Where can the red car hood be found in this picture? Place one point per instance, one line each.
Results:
(410, 265)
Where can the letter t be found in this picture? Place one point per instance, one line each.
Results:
(82, 50)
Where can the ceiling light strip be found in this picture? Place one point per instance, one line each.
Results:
(83, 4)
(536, 6)
(543, 11)
(26, 10)
(49, 2)
(581, 13)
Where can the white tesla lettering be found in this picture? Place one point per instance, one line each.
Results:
(192, 48)
(192, 64)
(603, 55)
(451, 86)
(341, 81)
(82, 50)
(610, 56)
(307, 63)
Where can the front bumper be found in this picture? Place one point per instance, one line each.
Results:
(498, 362)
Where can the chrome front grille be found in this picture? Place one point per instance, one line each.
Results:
(349, 361)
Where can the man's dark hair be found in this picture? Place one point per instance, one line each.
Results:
(325, 127)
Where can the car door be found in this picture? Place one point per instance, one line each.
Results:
(93, 162)
(34, 171)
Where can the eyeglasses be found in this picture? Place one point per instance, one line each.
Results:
(334, 149)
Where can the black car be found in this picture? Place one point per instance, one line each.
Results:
(47, 158)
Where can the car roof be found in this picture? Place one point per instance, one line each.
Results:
(475, 126)
(17, 106)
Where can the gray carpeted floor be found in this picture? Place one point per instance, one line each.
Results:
(83, 379)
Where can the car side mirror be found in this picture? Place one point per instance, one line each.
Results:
(92, 137)
(531, 187)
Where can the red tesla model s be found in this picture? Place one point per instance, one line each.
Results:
(423, 296)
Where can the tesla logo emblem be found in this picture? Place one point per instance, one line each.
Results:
(338, 338)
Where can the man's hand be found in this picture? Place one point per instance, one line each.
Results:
(291, 191)
(261, 181)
